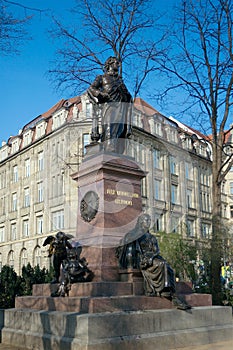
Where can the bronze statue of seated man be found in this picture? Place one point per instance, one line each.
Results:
(139, 249)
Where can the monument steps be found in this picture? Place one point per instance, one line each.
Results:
(95, 297)
(161, 329)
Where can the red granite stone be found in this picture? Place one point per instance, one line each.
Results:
(88, 289)
(198, 299)
(92, 304)
(117, 182)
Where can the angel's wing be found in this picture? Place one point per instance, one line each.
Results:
(48, 240)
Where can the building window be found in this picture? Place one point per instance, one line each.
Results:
(174, 224)
(231, 188)
(173, 166)
(158, 129)
(172, 135)
(15, 146)
(157, 189)
(59, 119)
(40, 129)
(27, 167)
(14, 201)
(204, 178)
(188, 171)
(39, 224)
(24, 258)
(190, 228)
(205, 202)
(13, 232)
(27, 138)
(189, 199)
(25, 228)
(158, 226)
(137, 120)
(156, 159)
(56, 121)
(205, 230)
(86, 141)
(11, 259)
(2, 180)
(37, 256)
(58, 220)
(2, 234)
(40, 161)
(174, 194)
(3, 206)
(26, 197)
(88, 110)
(231, 211)
(15, 173)
(40, 192)
(140, 153)
(4, 153)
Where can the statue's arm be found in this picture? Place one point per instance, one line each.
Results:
(68, 244)
(96, 88)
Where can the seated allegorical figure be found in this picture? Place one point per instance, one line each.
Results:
(139, 249)
(75, 270)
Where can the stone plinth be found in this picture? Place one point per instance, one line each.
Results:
(109, 203)
(151, 329)
(94, 297)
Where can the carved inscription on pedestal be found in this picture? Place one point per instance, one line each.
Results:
(122, 197)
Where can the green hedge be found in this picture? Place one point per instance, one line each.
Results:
(12, 285)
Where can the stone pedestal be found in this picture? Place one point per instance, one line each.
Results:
(109, 203)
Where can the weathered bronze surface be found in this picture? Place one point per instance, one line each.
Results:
(113, 102)
(89, 206)
(58, 245)
(75, 270)
(139, 249)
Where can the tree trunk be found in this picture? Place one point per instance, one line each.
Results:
(217, 230)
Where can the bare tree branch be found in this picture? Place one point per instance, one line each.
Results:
(113, 28)
(13, 30)
(24, 6)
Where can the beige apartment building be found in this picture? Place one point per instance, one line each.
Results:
(38, 196)
(228, 187)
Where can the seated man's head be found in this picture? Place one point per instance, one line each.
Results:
(111, 63)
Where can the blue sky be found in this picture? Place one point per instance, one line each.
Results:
(25, 90)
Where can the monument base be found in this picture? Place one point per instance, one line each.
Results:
(160, 329)
(109, 204)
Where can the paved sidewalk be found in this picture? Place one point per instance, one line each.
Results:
(9, 347)
(228, 345)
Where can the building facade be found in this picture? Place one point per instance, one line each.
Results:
(38, 196)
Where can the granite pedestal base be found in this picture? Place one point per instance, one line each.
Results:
(94, 297)
(109, 204)
(136, 330)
